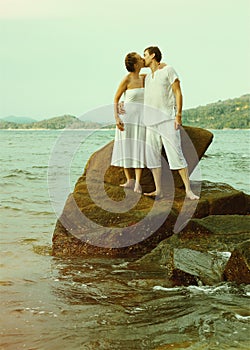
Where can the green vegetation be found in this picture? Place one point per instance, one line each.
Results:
(231, 114)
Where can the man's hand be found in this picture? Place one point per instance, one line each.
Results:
(177, 122)
(119, 124)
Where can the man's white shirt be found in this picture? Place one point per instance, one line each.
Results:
(159, 99)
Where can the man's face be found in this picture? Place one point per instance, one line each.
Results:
(148, 58)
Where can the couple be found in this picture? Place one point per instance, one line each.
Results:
(153, 107)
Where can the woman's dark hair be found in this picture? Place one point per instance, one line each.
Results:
(156, 51)
(130, 61)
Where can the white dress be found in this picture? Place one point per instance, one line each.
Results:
(129, 145)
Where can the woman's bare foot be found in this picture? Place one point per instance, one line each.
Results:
(128, 184)
(137, 188)
(192, 196)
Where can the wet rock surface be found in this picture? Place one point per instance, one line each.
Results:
(195, 240)
(211, 249)
(238, 267)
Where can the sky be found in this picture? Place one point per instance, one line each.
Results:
(67, 56)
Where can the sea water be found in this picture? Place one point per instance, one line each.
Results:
(49, 303)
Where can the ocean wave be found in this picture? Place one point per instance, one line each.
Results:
(39, 166)
(7, 207)
(242, 318)
(6, 283)
(41, 213)
(216, 289)
(22, 171)
(10, 175)
(33, 177)
(17, 172)
(167, 289)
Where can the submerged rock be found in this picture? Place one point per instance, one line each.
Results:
(209, 249)
(208, 267)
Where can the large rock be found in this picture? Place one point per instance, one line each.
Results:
(195, 142)
(102, 219)
(86, 229)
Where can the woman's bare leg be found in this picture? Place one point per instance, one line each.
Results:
(130, 182)
(157, 179)
(138, 172)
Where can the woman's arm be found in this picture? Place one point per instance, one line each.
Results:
(121, 89)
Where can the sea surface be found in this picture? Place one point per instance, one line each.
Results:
(49, 303)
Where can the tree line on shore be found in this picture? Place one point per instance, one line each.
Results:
(231, 114)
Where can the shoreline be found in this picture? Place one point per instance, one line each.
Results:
(81, 129)
(40, 129)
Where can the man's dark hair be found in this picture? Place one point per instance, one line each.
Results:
(156, 51)
(130, 61)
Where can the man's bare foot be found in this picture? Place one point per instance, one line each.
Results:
(151, 194)
(137, 188)
(192, 196)
(128, 184)
(154, 195)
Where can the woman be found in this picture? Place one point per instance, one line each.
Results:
(129, 148)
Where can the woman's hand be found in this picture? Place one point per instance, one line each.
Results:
(119, 123)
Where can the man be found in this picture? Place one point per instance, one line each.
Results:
(163, 113)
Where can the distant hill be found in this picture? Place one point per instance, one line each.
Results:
(55, 123)
(232, 114)
(18, 120)
(66, 121)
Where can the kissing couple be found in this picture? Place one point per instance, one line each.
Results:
(151, 118)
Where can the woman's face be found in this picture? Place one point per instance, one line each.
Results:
(140, 61)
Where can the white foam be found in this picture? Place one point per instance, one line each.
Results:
(242, 318)
(174, 289)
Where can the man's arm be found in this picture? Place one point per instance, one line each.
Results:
(178, 97)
